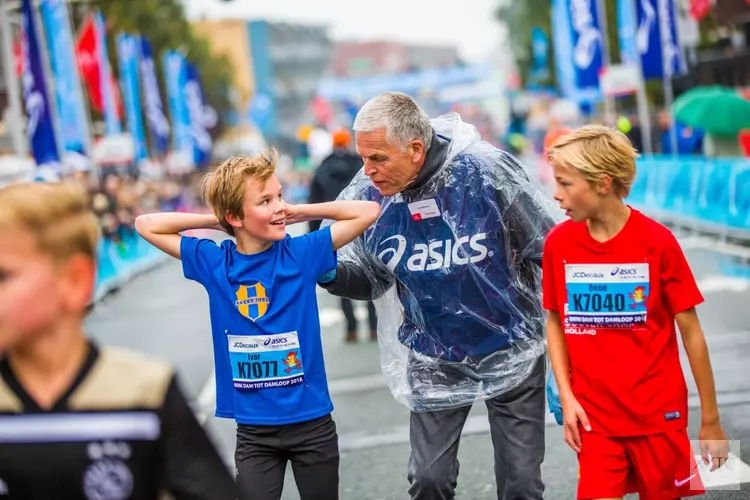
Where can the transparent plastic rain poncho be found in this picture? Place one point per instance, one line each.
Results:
(458, 294)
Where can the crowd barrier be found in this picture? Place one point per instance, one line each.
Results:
(708, 195)
(119, 262)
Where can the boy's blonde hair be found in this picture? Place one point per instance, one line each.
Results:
(58, 215)
(224, 188)
(595, 150)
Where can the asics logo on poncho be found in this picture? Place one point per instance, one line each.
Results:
(436, 254)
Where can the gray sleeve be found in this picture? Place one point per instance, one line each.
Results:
(354, 282)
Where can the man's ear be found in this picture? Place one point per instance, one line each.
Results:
(417, 150)
(235, 222)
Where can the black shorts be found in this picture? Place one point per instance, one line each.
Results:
(263, 451)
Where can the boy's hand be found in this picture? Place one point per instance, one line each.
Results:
(292, 214)
(573, 414)
(714, 445)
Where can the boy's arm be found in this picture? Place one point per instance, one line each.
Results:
(700, 363)
(163, 229)
(713, 441)
(352, 217)
(558, 354)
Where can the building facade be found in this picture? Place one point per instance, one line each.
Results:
(357, 59)
(277, 70)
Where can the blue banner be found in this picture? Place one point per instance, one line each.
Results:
(174, 78)
(648, 30)
(587, 43)
(627, 29)
(673, 61)
(157, 122)
(539, 52)
(128, 53)
(563, 45)
(111, 114)
(40, 128)
(69, 98)
(196, 109)
(647, 38)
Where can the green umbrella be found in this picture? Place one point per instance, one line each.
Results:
(715, 110)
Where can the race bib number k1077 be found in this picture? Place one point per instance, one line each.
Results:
(607, 295)
(266, 361)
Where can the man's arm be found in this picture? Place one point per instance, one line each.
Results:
(163, 230)
(352, 217)
(354, 282)
(527, 212)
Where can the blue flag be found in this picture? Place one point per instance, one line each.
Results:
(157, 122)
(128, 52)
(193, 93)
(69, 98)
(40, 128)
(587, 43)
(673, 62)
(567, 76)
(648, 31)
(174, 78)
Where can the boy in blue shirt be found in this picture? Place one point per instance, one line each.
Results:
(270, 374)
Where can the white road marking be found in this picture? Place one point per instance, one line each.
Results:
(716, 283)
(727, 477)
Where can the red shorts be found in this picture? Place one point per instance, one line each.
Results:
(657, 467)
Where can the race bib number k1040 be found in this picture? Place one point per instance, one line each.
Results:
(266, 361)
(607, 295)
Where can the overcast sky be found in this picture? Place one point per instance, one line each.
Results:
(468, 24)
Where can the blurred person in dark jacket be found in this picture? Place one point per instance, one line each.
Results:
(335, 173)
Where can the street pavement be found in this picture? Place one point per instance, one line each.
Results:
(166, 315)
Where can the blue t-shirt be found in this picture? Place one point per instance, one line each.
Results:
(266, 332)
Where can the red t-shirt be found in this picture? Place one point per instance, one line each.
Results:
(617, 301)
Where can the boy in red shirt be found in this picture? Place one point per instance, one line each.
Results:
(615, 282)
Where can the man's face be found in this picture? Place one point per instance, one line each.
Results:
(389, 168)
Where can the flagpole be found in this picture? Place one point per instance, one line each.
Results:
(16, 118)
(609, 103)
(667, 66)
(641, 97)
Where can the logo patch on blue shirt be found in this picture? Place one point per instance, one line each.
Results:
(252, 301)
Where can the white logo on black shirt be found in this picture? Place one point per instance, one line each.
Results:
(108, 477)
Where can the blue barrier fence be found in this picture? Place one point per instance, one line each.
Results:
(119, 262)
(706, 194)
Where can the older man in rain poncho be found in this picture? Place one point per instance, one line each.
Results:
(453, 264)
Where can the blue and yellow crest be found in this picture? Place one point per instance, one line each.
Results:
(252, 301)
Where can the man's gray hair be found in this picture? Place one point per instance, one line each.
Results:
(400, 116)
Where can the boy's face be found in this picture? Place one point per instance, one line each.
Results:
(36, 294)
(264, 210)
(575, 194)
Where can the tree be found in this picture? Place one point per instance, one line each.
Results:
(164, 24)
